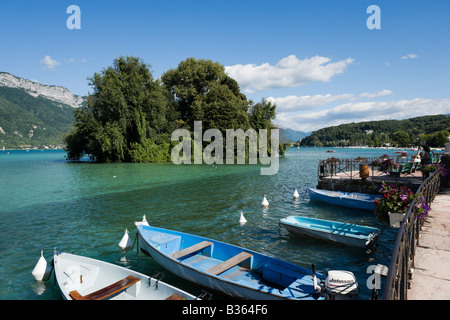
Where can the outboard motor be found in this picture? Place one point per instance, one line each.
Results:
(341, 285)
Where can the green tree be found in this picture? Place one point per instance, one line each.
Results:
(262, 114)
(435, 139)
(221, 109)
(440, 138)
(126, 109)
(204, 92)
(130, 116)
(401, 138)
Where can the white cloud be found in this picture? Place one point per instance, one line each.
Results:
(381, 93)
(306, 102)
(363, 111)
(410, 56)
(296, 103)
(49, 63)
(289, 72)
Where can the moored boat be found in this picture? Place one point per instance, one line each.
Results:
(233, 270)
(343, 233)
(82, 278)
(353, 200)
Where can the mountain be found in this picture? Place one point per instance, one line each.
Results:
(289, 135)
(54, 93)
(32, 114)
(431, 130)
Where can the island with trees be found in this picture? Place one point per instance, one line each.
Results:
(130, 115)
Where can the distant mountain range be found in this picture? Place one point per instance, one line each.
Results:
(291, 136)
(432, 130)
(37, 115)
(33, 114)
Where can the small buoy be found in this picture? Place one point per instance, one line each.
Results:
(125, 243)
(42, 270)
(142, 223)
(265, 202)
(296, 195)
(242, 220)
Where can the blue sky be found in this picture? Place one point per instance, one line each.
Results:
(317, 60)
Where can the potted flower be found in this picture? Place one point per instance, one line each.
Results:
(376, 163)
(421, 207)
(430, 168)
(395, 202)
(389, 166)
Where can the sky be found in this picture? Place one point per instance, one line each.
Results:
(321, 62)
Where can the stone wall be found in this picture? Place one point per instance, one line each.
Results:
(354, 185)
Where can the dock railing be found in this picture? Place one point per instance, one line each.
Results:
(402, 259)
(401, 264)
(350, 167)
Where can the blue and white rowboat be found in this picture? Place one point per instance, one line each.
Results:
(344, 233)
(353, 200)
(227, 268)
(230, 269)
(82, 278)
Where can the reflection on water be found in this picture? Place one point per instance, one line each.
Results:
(84, 208)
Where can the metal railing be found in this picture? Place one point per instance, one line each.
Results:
(402, 260)
(350, 167)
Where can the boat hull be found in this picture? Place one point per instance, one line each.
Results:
(239, 282)
(86, 275)
(344, 199)
(342, 233)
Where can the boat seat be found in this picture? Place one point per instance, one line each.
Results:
(175, 297)
(191, 249)
(106, 291)
(227, 264)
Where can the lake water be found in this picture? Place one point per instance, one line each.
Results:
(84, 208)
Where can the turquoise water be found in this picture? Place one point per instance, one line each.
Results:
(84, 208)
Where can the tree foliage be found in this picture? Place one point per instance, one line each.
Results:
(130, 116)
(430, 130)
(204, 92)
(126, 109)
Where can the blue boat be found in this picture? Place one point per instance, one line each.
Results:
(233, 270)
(353, 200)
(344, 233)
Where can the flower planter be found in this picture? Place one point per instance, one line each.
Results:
(395, 219)
(364, 171)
